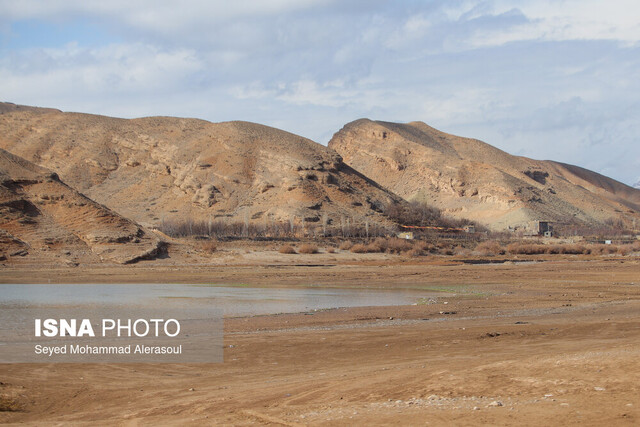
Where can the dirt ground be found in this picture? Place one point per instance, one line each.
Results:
(555, 342)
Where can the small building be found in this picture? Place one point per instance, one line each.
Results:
(469, 228)
(408, 235)
(540, 228)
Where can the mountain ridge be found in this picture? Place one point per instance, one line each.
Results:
(468, 178)
(164, 168)
(161, 168)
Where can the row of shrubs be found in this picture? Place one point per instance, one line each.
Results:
(395, 245)
(303, 249)
(520, 248)
(391, 245)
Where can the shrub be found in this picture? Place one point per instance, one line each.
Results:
(490, 248)
(603, 249)
(575, 249)
(308, 249)
(331, 250)
(554, 249)
(424, 246)
(624, 250)
(287, 249)
(415, 252)
(374, 248)
(359, 249)
(396, 245)
(526, 249)
(345, 246)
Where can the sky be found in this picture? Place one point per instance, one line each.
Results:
(547, 79)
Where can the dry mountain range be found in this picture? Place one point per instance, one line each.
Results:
(158, 168)
(467, 178)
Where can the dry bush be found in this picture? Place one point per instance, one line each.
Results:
(629, 248)
(375, 247)
(346, 245)
(526, 249)
(396, 245)
(380, 244)
(554, 249)
(575, 250)
(209, 247)
(604, 249)
(415, 252)
(624, 250)
(359, 249)
(392, 245)
(424, 246)
(331, 250)
(308, 249)
(287, 249)
(490, 248)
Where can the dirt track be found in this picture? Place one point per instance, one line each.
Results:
(554, 343)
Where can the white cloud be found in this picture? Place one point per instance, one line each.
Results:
(538, 77)
(64, 76)
(568, 20)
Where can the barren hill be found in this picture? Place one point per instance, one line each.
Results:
(41, 215)
(467, 178)
(158, 168)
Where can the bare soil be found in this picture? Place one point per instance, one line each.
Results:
(555, 342)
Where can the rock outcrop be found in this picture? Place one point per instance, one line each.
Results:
(467, 178)
(40, 215)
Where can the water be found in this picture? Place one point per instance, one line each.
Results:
(233, 301)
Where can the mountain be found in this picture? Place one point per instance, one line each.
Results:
(163, 168)
(40, 215)
(467, 178)
(637, 185)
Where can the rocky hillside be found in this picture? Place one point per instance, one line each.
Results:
(467, 178)
(162, 168)
(42, 216)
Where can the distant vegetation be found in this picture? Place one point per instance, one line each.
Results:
(492, 248)
(346, 234)
(409, 214)
(275, 230)
(421, 214)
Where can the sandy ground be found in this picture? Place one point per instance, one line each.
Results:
(546, 343)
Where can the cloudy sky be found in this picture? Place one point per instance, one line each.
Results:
(548, 79)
